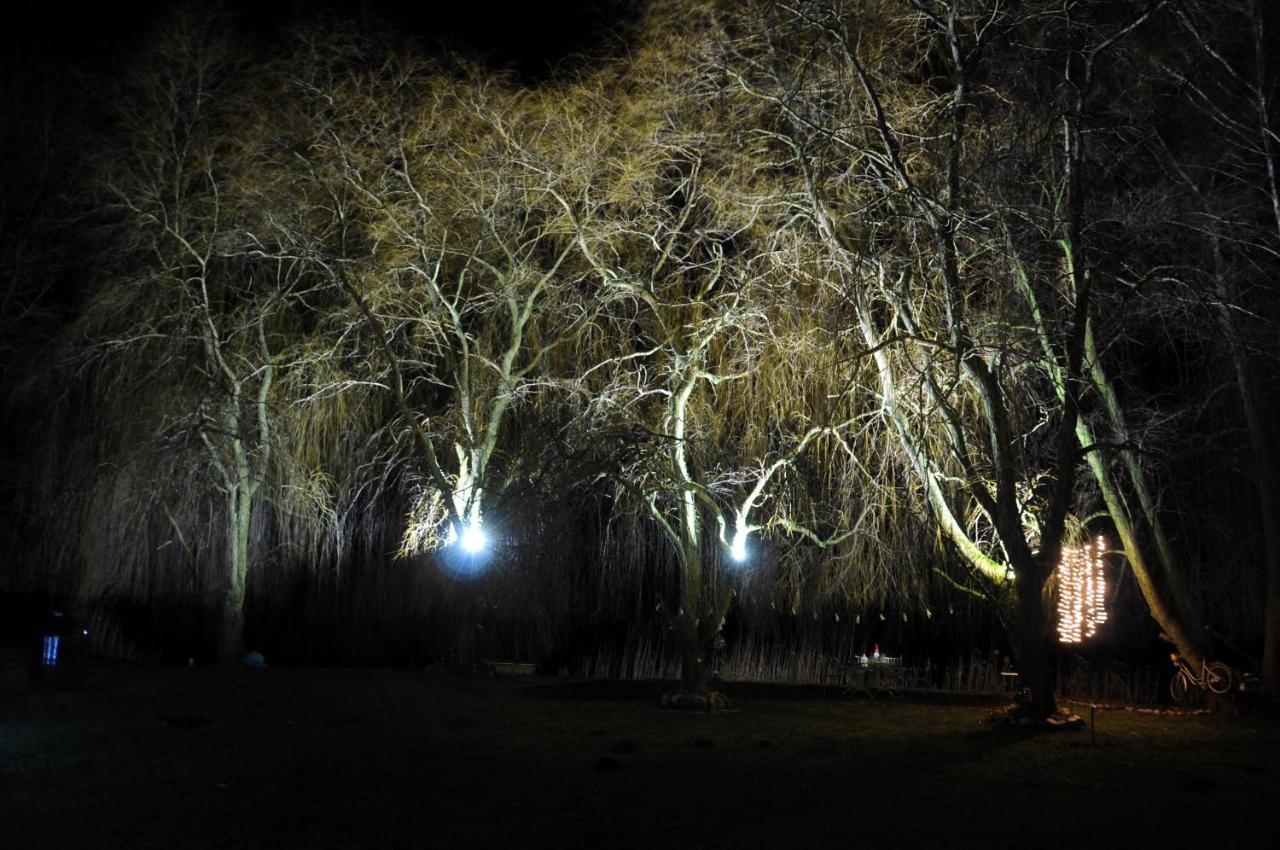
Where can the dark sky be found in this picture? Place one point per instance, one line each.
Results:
(92, 34)
(54, 52)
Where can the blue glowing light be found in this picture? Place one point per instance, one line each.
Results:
(50, 655)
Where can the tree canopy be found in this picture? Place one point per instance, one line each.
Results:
(807, 300)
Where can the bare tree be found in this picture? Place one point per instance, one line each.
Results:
(184, 335)
(1231, 82)
(896, 182)
(431, 197)
(720, 361)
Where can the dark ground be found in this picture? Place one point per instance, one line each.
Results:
(282, 758)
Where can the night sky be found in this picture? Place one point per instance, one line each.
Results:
(54, 56)
(523, 35)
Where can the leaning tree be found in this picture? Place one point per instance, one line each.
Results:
(884, 117)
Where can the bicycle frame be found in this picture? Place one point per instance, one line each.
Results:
(1215, 676)
(1184, 669)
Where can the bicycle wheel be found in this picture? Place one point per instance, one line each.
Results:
(1178, 686)
(1217, 677)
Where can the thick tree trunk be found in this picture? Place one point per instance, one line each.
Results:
(693, 673)
(1036, 675)
(464, 651)
(231, 621)
(1166, 615)
(693, 668)
(1029, 640)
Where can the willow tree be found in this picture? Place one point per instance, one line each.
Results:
(186, 317)
(954, 186)
(719, 384)
(1098, 95)
(435, 215)
(887, 170)
(173, 468)
(721, 364)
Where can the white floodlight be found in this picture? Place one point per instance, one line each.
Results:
(473, 539)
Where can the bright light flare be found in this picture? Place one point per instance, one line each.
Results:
(738, 549)
(474, 540)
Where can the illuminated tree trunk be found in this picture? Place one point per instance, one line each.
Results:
(1163, 612)
(704, 609)
(701, 611)
(693, 673)
(1169, 614)
(1174, 610)
(1023, 598)
(693, 654)
(239, 449)
(231, 617)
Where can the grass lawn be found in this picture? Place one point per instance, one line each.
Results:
(283, 758)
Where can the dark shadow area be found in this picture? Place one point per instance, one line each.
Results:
(628, 691)
(152, 757)
(528, 38)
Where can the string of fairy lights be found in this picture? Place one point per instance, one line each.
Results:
(1082, 591)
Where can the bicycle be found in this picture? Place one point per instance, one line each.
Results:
(1216, 677)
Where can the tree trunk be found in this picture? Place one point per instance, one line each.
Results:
(1166, 615)
(231, 628)
(693, 664)
(231, 622)
(465, 649)
(693, 667)
(1266, 465)
(1264, 456)
(1029, 644)
(1171, 606)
